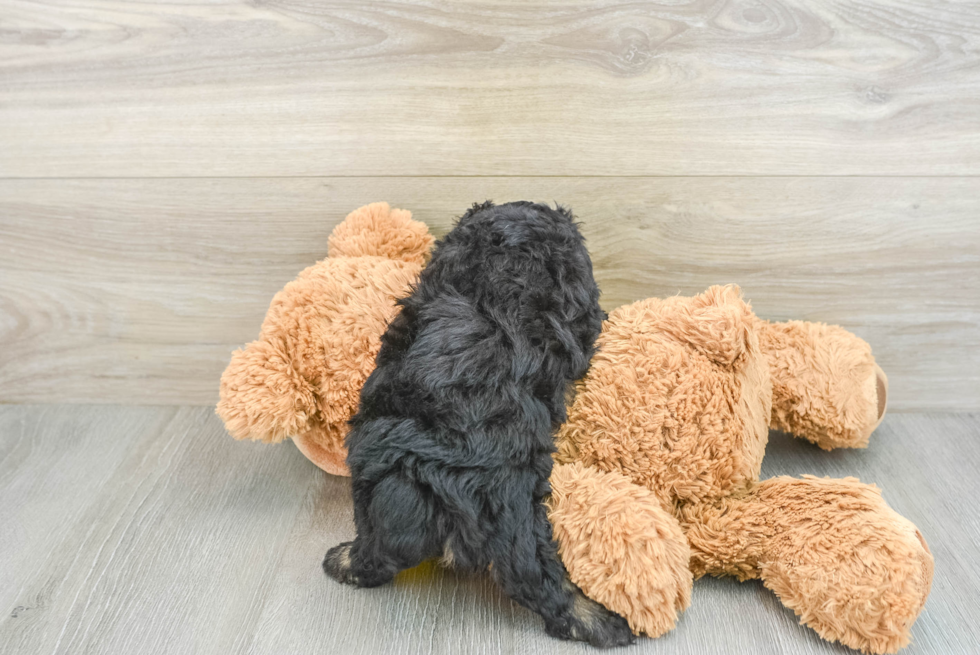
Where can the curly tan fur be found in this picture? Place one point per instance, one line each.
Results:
(377, 230)
(618, 543)
(832, 550)
(826, 383)
(687, 423)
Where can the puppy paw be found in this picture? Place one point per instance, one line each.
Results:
(337, 564)
(591, 622)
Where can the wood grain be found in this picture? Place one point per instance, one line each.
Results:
(137, 291)
(148, 530)
(290, 87)
(136, 530)
(166, 167)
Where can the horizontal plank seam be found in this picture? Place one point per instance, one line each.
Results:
(567, 177)
(7, 404)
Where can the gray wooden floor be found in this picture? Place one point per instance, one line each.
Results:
(149, 530)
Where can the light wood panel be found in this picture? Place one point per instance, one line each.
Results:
(149, 530)
(138, 290)
(290, 87)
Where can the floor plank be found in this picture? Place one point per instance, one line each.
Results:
(432, 87)
(137, 291)
(53, 463)
(153, 536)
(147, 529)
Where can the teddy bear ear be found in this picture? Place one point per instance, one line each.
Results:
(717, 323)
(378, 230)
(263, 397)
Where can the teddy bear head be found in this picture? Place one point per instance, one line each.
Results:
(303, 376)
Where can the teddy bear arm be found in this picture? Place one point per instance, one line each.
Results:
(620, 546)
(263, 397)
(827, 387)
(833, 551)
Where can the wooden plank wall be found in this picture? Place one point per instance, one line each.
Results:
(165, 168)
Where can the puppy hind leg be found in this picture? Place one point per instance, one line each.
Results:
(528, 569)
(393, 533)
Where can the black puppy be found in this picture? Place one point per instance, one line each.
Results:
(450, 450)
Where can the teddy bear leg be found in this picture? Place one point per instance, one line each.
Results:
(525, 567)
(833, 551)
(620, 546)
(826, 386)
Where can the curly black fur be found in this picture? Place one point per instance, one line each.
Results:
(450, 450)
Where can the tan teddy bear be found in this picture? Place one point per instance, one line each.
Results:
(674, 416)
(656, 476)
